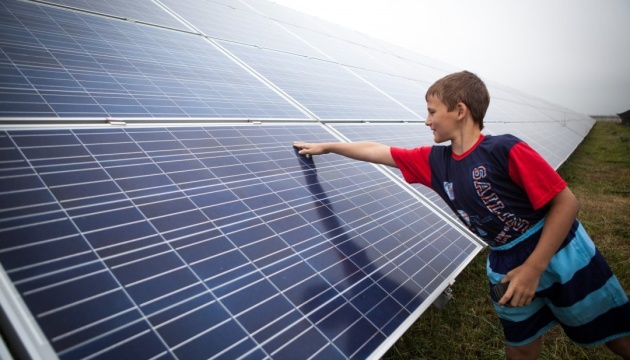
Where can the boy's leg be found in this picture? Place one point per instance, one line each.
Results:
(524, 352)
(620, 347)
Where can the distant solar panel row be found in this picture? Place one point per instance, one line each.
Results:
(61, 63)
(214, 242)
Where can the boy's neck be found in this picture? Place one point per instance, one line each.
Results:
(465, 140)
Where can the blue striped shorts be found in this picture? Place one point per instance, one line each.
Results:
(577, 290)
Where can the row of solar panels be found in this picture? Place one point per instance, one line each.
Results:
(190, 233)
(227, 60)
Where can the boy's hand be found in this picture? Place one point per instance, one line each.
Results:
(523, 283)
(310, 148)
(363, 150)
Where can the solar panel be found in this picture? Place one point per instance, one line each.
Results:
(215, 242)
(68, 64)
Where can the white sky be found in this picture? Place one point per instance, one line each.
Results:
(574, 53)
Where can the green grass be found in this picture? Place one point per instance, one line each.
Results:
(598, 173)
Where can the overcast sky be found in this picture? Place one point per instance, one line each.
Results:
(574, 53)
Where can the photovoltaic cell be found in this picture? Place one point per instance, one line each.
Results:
(60, 63)
(214, 242)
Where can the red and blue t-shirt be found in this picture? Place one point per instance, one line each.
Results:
(499, 188)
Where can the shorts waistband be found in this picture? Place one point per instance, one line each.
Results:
(534, 229)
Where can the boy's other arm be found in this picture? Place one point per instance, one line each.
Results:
(365, 151)
(563, 209)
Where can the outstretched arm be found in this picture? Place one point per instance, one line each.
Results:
(365, 151)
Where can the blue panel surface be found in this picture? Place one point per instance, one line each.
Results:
(60, 63)
(216, 241)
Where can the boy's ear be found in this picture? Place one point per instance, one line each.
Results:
(462, 110)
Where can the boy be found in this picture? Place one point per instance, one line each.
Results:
(514, 200)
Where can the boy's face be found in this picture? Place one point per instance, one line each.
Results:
(441, 121)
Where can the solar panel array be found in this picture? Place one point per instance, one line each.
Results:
(196, 231)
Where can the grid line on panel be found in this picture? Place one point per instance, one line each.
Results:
(60, 337)
(126, 340)
(170, 306)
(25, 280)
(26, 293)
(164, 296)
